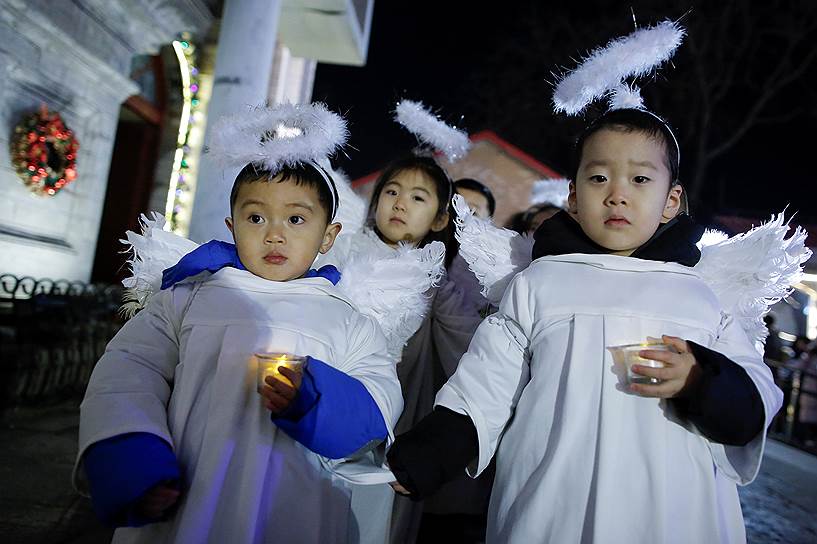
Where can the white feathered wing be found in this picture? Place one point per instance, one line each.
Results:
(495, 255)
(394, 289)
(749, 272)
(150, 253)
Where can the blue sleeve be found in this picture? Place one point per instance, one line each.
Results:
(327, 271)
(211, 256)
(333, 414)
(121, 469)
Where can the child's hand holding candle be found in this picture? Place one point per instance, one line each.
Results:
(679, 374)
(279, 378)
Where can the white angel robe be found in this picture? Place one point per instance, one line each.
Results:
(580, 459)
(182, 370)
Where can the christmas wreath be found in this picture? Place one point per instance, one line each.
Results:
(44, 152)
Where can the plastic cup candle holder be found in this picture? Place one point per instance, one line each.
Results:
(270, 364)
(628, 355)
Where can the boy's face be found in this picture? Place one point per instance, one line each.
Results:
(407, 208)
(477, 201)
(279, 228)
(622, 189)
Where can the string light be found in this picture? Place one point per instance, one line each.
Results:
(195, 94)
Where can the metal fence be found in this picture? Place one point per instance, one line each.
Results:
(799, 389)
(52, 332)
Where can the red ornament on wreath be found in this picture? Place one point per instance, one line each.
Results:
(44, 152)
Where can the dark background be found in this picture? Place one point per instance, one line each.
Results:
(739, 92)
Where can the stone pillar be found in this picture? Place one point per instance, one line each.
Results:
(292, 77)
(242, 75)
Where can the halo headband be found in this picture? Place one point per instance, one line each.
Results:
(332, 188)
(669, 130)
(605, 72)
(431, 130)
(277, 136)
(285, 135)
(651, 114)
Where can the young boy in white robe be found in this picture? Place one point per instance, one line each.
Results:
(175, 440)
(583, 456)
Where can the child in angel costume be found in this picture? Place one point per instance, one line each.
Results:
(583, 452)
(410, 207)
(176, 444)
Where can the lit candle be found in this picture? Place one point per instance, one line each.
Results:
(269, 364)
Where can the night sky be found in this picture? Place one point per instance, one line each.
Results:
(488, 69)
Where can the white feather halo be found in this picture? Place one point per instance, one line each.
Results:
(604, 72)
(430, 129)
(626, 96)
(552, 191)
(277, 136)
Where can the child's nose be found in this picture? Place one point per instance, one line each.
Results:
(617, 199)
(399, 204)
(275, 234)
(618, 195)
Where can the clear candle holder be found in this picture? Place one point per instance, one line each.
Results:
(628, 355)
(270, 364)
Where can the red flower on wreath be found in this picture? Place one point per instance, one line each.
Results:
(44, 152)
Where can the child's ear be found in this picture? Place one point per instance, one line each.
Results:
(440, 223)
(332, 230)
(571, 199)
(673, 204)
(229, 222)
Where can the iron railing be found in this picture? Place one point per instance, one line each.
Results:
(52, 332)
(788, 426)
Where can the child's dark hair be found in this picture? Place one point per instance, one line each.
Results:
(479, 187)
(522, 222)
(304, 174)
(633, 120)
(442, 185)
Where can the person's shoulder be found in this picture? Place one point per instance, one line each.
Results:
(547, 266)
(544, 265)
(174, 297)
